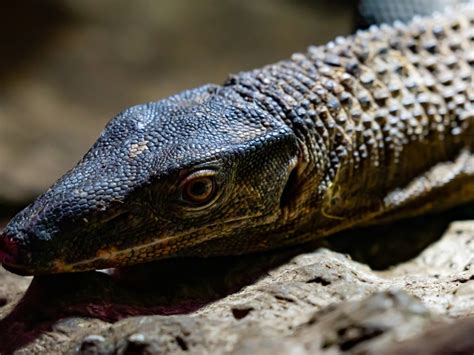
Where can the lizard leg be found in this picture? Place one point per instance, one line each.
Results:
(443, 186)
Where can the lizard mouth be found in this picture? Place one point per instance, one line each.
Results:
(9, 253)
(13, 256)
(17, 269)
(19, 261)
(9, 263)
(8, 248)
(111, 257)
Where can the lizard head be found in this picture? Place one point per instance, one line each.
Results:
(163, 179)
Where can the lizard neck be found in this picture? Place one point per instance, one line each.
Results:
(293, 93)
(371, 112)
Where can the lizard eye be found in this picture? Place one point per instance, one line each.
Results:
(199, 188)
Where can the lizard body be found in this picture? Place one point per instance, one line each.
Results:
(373, 127)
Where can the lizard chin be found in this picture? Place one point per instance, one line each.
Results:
(19, 269)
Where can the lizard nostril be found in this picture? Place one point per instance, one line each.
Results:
(8, 248)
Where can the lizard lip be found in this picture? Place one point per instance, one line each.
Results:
(8, 249)
(16, 269)
(8, 257)
(9, 254)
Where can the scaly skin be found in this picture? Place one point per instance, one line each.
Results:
(389, 11)
(373, 127)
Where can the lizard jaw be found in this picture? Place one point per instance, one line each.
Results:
(8, 250)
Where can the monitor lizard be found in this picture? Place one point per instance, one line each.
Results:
(365, 129)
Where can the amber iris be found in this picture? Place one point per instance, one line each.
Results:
(199, 190)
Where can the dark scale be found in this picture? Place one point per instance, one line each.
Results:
(395, 75)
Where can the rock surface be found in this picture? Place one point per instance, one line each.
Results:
(302, 301)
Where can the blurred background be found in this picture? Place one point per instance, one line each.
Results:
(67, 67)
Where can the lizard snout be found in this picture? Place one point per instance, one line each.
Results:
(9, 249)
(16, 252)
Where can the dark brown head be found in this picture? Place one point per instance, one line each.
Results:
(162, 178)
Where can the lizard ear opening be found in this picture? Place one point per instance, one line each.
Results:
(290, 190)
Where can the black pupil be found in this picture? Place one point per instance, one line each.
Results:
(199, 188)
